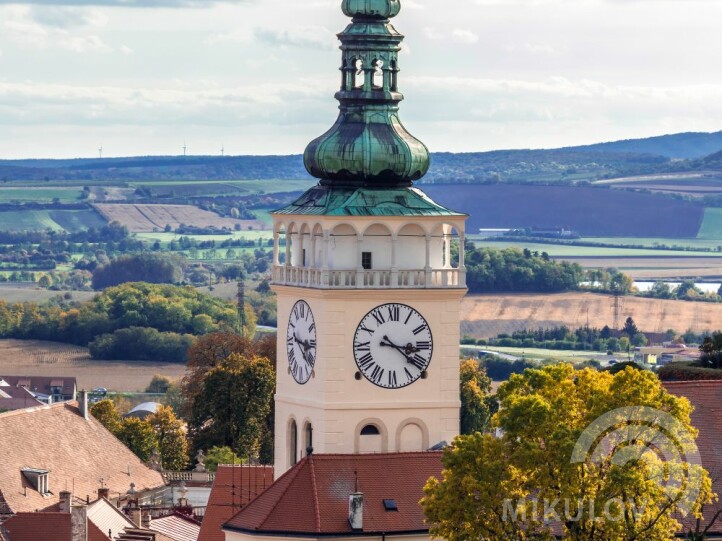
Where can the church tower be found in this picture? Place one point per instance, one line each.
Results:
(368, 274)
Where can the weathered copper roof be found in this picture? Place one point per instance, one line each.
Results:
(347, 201)
(368, 145)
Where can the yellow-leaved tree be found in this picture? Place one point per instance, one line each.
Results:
(584, 455)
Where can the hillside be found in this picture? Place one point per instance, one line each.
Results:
(485, 316)
(678, 146)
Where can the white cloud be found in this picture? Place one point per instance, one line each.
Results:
(299, 36)
(464, 36)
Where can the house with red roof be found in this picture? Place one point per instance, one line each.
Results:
(341, 496)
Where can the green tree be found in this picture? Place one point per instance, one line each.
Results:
(220, 455)
(476, 404)
(630, 328)
(542, 415)
(138, 436)
(233, 406)
(159, 385)
(106, 412)
(639, 340)
(170, 437)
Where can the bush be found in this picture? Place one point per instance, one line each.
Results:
(500, 369)
(150, 268)
(687, 372)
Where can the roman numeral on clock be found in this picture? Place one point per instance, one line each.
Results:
(393, 382)
(394, 312)
(423, 345)
(377, 374)
(365, 361)
(362, 346)
(418, 330)
(418, 361)
(379, 317)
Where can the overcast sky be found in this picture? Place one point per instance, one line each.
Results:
(258, 76)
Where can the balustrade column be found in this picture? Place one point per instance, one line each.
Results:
(394, 266)
(276, 249)
(427, 268)
(462, 259)
(324, 258)
(359, 262)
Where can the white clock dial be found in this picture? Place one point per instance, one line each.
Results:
(393, 346)
(301, 342)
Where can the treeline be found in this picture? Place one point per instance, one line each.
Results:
(687, 291)
(127, 321)
(565, 339)
(522, 271)
(148, 267)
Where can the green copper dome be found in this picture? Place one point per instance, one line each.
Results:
(368, 145)
(376, 9)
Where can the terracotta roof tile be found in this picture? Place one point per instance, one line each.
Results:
(234, 487)
(36, 526)
(15, 398)
(95, 534)
(706, 397)
(77, 452)
(312, 497)
(42, 384)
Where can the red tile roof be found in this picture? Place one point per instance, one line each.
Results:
(312, 497)
(16, 398)
(42, 384)
(94, 533)
(706, 397)
(37, 526)
(234, 487)
(76, 451)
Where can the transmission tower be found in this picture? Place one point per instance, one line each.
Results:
(242, 306)
(617, 302)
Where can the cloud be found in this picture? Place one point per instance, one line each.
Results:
(464, 36)
(301, 36)
(129, 3)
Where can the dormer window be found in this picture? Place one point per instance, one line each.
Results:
(39, 479)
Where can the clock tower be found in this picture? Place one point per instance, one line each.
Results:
(368, 274)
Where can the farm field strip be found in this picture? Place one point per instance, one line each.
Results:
(57, 220)
(36, 194)
(651, 242)
(563, 250)
(486, 316)
(23, 293)
(36, 358)
(712, 224)
(143, 218)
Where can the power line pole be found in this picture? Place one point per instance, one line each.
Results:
(242, 306)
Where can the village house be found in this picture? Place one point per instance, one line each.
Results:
(46, 389)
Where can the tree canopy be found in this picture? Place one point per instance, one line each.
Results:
(144, 267)
(477, 405)
(499, 487)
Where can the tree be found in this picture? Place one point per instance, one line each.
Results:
(106, 412)
(233, 405)
(138, 436)
(630, 328)
(639, 340)
(144, 267)
(476, 406)
(543, 414)
(170, 437)
(220, 455)
(159, 385)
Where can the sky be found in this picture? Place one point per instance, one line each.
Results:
(143, 77)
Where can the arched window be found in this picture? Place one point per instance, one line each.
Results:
(293, 443)
(370, 430)
(378, 74)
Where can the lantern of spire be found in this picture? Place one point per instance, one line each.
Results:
(368, 145)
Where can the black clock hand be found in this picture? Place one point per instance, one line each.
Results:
(402, 350)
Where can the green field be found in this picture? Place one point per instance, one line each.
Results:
(232, 187)
(40, 195)
(712, 224)
(166, 238)
(687, 243)
(561, 250)
(57, 220)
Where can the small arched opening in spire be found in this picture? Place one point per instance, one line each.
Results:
(378, 78)
(359, 74)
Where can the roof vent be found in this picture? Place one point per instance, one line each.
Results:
(439, 446)
(356, 511)
(390, 505)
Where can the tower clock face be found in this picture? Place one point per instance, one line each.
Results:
(301, 342)
(393, 346)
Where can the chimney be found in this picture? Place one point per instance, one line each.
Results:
(136, 516)
(104, 492)
(145, 520)
(66, 499)
(83, 404)
(79, 523)
(356, 511)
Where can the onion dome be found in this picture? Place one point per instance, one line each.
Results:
(371, 9)
(368, 145)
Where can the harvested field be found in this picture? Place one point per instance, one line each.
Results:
(36, 358)
(485, 316)
(148, 218)
(653, 268)
(27, 293)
